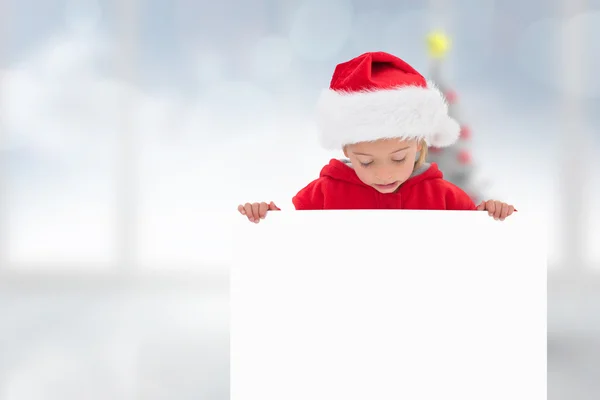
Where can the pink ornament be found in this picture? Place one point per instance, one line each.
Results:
(464, 157)
(465, 133)
(451, 96)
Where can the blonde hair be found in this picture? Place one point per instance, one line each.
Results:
(422, 155)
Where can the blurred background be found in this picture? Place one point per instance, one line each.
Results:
(130, 131)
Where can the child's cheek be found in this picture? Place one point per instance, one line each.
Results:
(406, 170)
(365, 175)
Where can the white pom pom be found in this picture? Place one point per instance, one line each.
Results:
(447, 133)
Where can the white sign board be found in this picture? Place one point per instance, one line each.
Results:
(415, 305)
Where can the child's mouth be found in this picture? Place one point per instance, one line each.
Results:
(387, 187)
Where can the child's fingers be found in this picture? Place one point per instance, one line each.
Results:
(498, 210)
(255, 212)
(262, 210)
(490, 206)
(248, 212)
(504, 211)
(481, 206)
(511, 209)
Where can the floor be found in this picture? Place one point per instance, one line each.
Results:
(171, 341)
(126, 343)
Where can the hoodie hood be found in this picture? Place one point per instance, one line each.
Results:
(342, 170)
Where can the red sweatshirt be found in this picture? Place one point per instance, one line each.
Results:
(339, 188)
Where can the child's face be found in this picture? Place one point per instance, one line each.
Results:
(383, 164)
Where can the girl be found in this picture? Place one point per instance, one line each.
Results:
(383, 114)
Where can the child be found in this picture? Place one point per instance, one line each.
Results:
(383, 114)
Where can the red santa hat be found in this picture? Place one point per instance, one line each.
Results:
(379, 96)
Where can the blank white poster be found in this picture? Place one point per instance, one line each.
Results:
(415, 305)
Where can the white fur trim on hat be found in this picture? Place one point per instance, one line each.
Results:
(407, 112)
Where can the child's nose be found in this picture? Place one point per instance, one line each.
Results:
(383, 175)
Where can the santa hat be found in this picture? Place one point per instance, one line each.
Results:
(379, 96)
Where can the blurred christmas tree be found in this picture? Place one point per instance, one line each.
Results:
(455, 161)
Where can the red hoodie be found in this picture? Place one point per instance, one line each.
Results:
(339, 188)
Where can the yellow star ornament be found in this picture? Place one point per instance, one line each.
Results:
(438, 44)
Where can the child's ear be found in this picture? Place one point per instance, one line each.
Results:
(346, 151)
(420, 145)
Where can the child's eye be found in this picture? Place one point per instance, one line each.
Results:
(366, 164)
(400, 161)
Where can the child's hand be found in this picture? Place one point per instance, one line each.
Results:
(496, 209)
(256, 211)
